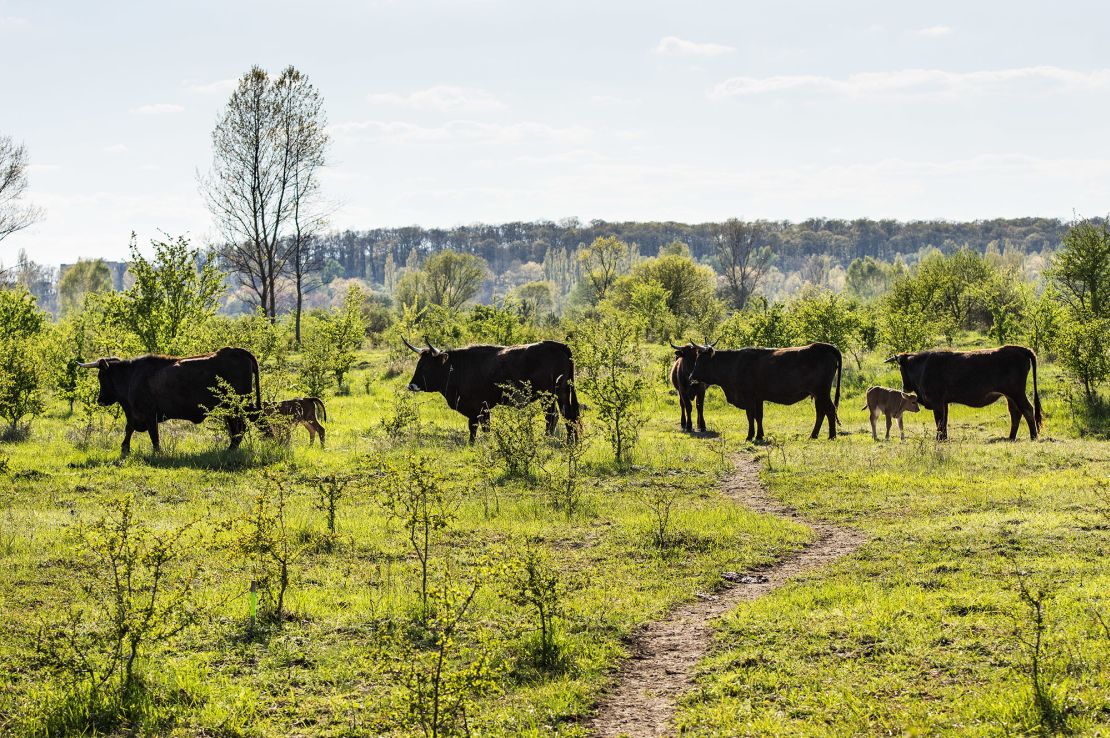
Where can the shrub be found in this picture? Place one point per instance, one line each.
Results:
(610, 370)
(1083, 347)
(516, 430)
(534, 584)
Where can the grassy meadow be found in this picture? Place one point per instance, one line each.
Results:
(920, 632)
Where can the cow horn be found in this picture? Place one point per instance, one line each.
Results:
(433, 349)
(892, 359)
(676, 348)
(87, 364)
(715, 342)
(406, 341)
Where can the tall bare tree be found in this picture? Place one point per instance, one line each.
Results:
(743, 254)
(15, 213)
(267, 146)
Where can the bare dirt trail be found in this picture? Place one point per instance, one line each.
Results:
(665, 652)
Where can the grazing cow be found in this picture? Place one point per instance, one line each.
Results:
(891, 403)
(153, 388)
(688, 392)
(472, 379)
(975, 379)
(752, 376)
(302, 410)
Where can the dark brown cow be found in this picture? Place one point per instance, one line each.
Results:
(975, 379)
(152, 388)
(306, 411)
(752, 376)
(472, 379)
(688, 392)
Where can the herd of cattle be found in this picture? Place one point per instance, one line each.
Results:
(152, 389)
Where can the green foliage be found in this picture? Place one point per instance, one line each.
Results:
(172, 297)
(647, 304)
(870, 278)
(135, 585)
(536, 300)
(1081, 268)
(415, 493)
(534, 584)
(904, 331)
(264, 540)
(951, 291)
(22, 373)
(496, 324)
(447, 279)
(1083, 347)
(516, 430)
(1043, 318)
(441, 677)
(605, 259)
(329, 343)
(609, 366)
(79, 280)
(823, 316)
(760, 325)
(673, 295)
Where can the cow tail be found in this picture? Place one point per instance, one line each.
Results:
(257, 384)
(572, 395)
(323, 410)
(836, 400)
(1037, 415)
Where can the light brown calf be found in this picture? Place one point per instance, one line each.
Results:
(303, 411)
(891, 403)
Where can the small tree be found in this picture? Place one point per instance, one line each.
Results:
(516, 430)
(415, 494)
(137, 584)
(534, 583)
(1083, 347)
(1081, 268)
(173, 295)
(15, 213)
(743, 252)
(602, 262)
(610, 367)
(21, 365)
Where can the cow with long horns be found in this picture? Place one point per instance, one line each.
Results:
(975, 379)
(151, 389)
(753, 376)
(688, 392)
(473, 379)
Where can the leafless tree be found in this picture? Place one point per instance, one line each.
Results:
(743, 253)
(267, 145)
(15, 214)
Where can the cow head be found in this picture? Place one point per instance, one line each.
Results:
(703, 362)
(910, 368)
(433, 369)
(910, 403)
(689, 352)
(111, 379)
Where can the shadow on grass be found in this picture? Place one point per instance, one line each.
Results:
(214, 459)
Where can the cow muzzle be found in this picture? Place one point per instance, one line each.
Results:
(413, 387)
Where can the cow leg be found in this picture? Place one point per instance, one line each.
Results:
(701, 414)
(154, 436)
(751, 422)
(901, 430)
(473, 423)
(320, 432)
(1015, 417)
(552, 418)
(125, 447)
(830, 413)
(873, 416)
(820, 408)
(940, 414)
(759, 421)
(1026, 408)
(888, 421)
(235, 429)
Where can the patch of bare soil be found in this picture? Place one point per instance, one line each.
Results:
(665, 653)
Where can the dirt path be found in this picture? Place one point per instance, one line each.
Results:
(665, 652)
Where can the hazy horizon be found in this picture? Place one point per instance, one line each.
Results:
(448, 113)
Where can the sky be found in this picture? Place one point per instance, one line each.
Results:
(447, 113)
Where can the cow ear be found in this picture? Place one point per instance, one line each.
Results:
(102, 364)
(442, 356)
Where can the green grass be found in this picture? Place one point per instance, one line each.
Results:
(916, 633)
(321, 673)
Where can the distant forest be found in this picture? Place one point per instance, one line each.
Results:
(372, 255)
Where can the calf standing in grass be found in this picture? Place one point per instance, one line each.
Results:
(306, 411)
(891, 403)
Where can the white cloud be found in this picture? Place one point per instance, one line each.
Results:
(612, 100)
(13, 23)
(115, 149)
(158, 109)
(42, 168)
(913, 82)
(673, 45)
(204, 88)
(442, 98)
(463, 131)
(935, 31)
